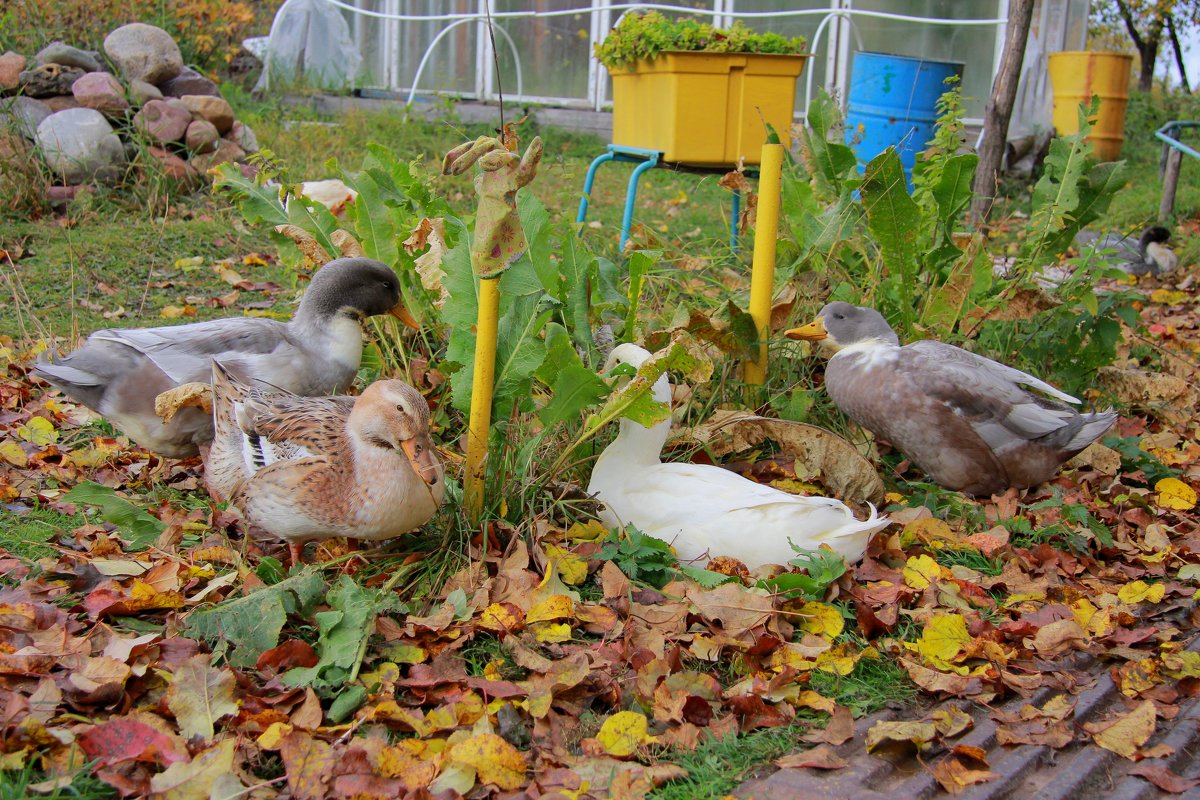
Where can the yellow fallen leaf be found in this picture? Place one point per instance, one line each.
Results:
(552, 632)
(926, 529)
(591, 531)
(1185, 664)
(888, 734)
(623, 732)
(943, 639)
(821, 619)
(39, 431)
(495, 760)
(1175, 494)
(1168, 297)
(189, 264)
(571, 568)
(254, 260)
(1128, 733)
(1140, 591)
(175, 312)
(501, 617)
(273, 735)
(11, 452)
(840, 660)
(921, 571)
(554, 607)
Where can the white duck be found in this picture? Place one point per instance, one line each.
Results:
(706, 511)
(303, 468)
(120, 372)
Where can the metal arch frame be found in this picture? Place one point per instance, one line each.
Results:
(600, 12)
(512, 46)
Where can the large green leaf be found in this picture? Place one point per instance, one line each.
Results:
(639, 264)
(250, 625)
(134, 524)
(342, 632)
(892, 216)
(579, 272)
(953, 190)
(374, 221)
(539, 235)
(259, 204)
(575, 387)
(831, 163)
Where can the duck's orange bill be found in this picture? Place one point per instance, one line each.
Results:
(401, 313)
(811, 332)
(421, 455)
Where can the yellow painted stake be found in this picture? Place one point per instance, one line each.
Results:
(762, 278)
(481, 395)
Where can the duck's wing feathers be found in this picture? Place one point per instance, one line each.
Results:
(988, 394)
(297, 426)
(185, 352)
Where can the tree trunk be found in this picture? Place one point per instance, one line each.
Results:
(1149, 55)
(1183, 78)
(999, 109)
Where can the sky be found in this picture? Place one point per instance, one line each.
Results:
(1191, 59)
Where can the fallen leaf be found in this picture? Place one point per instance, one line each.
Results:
(495, 761)
(1175, 494)
(195, 779)
(821, 757)
(921, 571)
(953, 776)
(623, 733)
(1127, 733)
(1162, 777)
(904, 736)
(200, 695)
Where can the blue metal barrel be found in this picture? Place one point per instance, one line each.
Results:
(893, 102)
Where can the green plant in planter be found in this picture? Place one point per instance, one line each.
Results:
(644, 36)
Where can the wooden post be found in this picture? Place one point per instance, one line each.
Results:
(1166, 206)
(999, 109)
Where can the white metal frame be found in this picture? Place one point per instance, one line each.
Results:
(837, 24)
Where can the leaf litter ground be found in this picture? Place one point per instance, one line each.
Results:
(144, 642)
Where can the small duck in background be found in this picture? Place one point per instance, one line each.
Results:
(966, 420)
(119, 372)
(706, 511)
(304, 468)
(1149, 255)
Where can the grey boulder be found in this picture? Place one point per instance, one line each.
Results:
(79, 145)
(144, 52)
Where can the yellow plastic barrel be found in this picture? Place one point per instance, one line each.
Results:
(1076, 76)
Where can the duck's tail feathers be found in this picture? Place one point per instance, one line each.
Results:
(228, 393)
(1094, 426)
(81, 385)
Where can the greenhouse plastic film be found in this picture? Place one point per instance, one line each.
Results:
(310, 43)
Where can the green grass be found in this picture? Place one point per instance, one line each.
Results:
(874, 684)
(24, 535)
(717, 766)
(14, 785)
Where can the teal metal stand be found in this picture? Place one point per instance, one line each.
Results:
(645, 160)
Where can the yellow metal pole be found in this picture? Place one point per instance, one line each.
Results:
(762, 278)
(481, 395)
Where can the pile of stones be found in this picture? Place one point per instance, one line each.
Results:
(88, 116)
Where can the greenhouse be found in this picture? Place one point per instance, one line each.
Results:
(542, 48)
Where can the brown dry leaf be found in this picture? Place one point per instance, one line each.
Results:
(308, 244)
(903, 736)
(1057, 638)
(189, 395)
(308, 764)
(1162, 777)
(737, 608)
(1166, 396)
(347, 245)
(952, 721)
(1104, 459)
(820, 453)
(839, 730)
(194, 780)
(1127, 733)
(953, 776)
(822, 757)
(932, 680)
(200, 695)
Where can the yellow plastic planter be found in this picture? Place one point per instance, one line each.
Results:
(1076, 76)
(705, 109)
